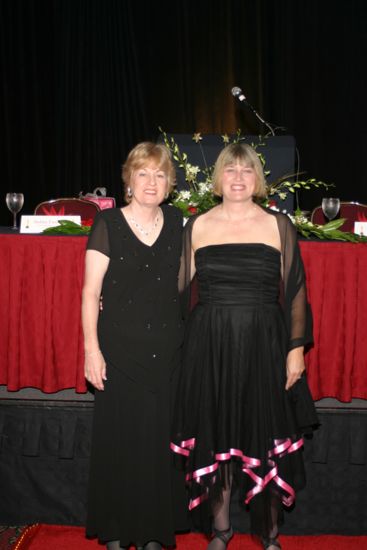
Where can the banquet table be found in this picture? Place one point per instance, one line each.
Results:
(41, 342)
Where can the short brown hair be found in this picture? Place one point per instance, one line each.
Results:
(145, 153)
(245, 154)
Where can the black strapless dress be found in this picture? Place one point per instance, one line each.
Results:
(232, 407)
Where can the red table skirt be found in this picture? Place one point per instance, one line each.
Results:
(337, 290)
(41, 343)
(41, 339)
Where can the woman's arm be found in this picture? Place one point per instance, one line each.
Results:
(295, 366)
(294, 301)
(96, 265)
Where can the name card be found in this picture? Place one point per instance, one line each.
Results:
(360, 228)
(36, 224)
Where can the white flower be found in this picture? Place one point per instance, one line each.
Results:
(191, 172)
(204, 187)
(184, 195)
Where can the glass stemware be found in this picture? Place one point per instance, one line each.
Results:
(14, 201)
(330, 207)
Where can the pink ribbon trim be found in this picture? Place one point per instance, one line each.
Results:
(285, 446)
(253, 462)
(197, 501)
(182, 447)
(202, 472)
(281, 448)
(178, 450)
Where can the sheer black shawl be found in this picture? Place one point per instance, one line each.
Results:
(292, 295)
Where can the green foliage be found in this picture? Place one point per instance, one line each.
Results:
(328, 231)
(67, 227)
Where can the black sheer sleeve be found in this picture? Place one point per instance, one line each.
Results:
(185, 285)
(294, 296)
(98, 237)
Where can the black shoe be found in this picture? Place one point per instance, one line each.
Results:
(224, 536)
(267, 542)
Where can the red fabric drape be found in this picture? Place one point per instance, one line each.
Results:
(40, 326)
(337, 288)
(41, 342)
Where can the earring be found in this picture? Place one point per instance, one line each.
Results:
(166, 195)
(129, 192)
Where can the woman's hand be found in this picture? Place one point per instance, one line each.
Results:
(295, 366)
(96, 265)
(95, 369)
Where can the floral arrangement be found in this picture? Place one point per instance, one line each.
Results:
(199, 197)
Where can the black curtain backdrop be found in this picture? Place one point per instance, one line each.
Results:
(82, 81)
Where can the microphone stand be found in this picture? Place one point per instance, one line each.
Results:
(260, 118)
(238, 93)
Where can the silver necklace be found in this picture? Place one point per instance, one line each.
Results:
(142, 229)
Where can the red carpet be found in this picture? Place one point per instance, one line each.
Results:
(9, 535)
(58, 537)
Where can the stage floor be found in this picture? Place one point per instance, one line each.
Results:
(45, 448)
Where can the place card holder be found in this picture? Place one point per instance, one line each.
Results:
(37, 224)
(360, 228)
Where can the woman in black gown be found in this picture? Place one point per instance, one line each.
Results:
(243, 402)
(132, 348)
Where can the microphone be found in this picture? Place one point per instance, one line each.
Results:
(238, 93)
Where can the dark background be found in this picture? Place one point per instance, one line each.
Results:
(82, 81)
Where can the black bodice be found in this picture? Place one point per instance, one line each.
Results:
(238, 274)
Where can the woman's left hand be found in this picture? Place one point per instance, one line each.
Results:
(295, 366)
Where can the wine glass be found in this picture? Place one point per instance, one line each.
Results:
(14, 201)
(330, 207)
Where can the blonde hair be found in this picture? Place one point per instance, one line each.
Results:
(245, 154)
(146, 153)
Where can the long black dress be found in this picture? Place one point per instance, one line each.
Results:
(131, 495)
(233, 415)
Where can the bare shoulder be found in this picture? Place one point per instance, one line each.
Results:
(203, 221)
(265, 227)
(265, 212)
(282, 220)
(270, 216)
(203, 225)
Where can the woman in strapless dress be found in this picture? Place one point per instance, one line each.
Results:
(243, 402)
